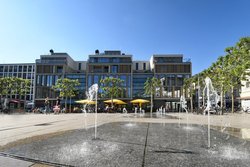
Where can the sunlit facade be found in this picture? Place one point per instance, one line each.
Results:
(25, 71)
(46, 70)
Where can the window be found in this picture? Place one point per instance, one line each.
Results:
(247, 84)
(114, 69)
(29, 68)
(11, 69)
(103, 60)
(106, 69)
(6, 68)
(80, 66)
(59, 69)
(144, 66)
(24, 68)
(15, 68)
(20, 68)
(136, 66)
(96, 78)
(1, 68)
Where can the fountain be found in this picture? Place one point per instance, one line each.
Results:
(212, 102)
(183, 103)
(91, 95)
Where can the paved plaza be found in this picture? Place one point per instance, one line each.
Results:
(123, 140)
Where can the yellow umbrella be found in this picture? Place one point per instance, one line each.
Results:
(85, 101)
(116, 101)
(139, 101)
(120, 102)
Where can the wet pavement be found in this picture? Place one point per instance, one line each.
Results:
(137, 144)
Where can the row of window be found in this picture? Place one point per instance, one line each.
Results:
(17, 68)
(110, 69)
(19, 75)
(137, 66)
(110, 60)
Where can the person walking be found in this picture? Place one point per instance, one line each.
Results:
(46, 104)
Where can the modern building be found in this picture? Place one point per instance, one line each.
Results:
(25, 71)
(111, 64)
(53, 66)
(170, 68)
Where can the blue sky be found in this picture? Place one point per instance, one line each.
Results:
(198, 29)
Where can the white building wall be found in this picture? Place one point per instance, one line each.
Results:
(245, 94)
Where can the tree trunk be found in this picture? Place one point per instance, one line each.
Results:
(151, 107)
(66, 104)
(203, 99)
(191, 103)
(221, 99)
(70, 105)
(232, 95)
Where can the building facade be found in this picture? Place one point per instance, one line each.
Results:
(46, 70)
(51, 67)
(25, 71)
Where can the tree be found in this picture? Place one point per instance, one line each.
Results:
(237, 64)
(189, 87)
(111, 87)
(13, 85)
(67, 88)
(150, 87)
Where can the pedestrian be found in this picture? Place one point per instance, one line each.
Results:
(58, 101)
(46, 104)
(124, 110)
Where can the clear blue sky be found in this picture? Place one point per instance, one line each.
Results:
(198, 29)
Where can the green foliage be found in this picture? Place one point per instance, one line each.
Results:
(229, 70)
(150, 89)
(112, 87)
(151, 84)
(67, 87)
(13, 85)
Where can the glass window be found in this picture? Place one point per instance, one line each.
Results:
(15, 68)
(29, 68)
(96, 78)
(136, 66)
(89, 80)
(11, 69)
(144, 66)
(29, 76)
(24, 68)
(20, 68)
(59, 69)
(80, 66)
(1, 68)
(6, 68)
(114, 69)
(124, 78)
(115, 60)
(42, 80)
(103, 60)
(24, 75)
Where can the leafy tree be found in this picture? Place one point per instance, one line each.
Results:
(238, 63)
(13, 85)
(150, 87)
(67, 88)
(229, 70)
(111, 87)
(189, 87)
